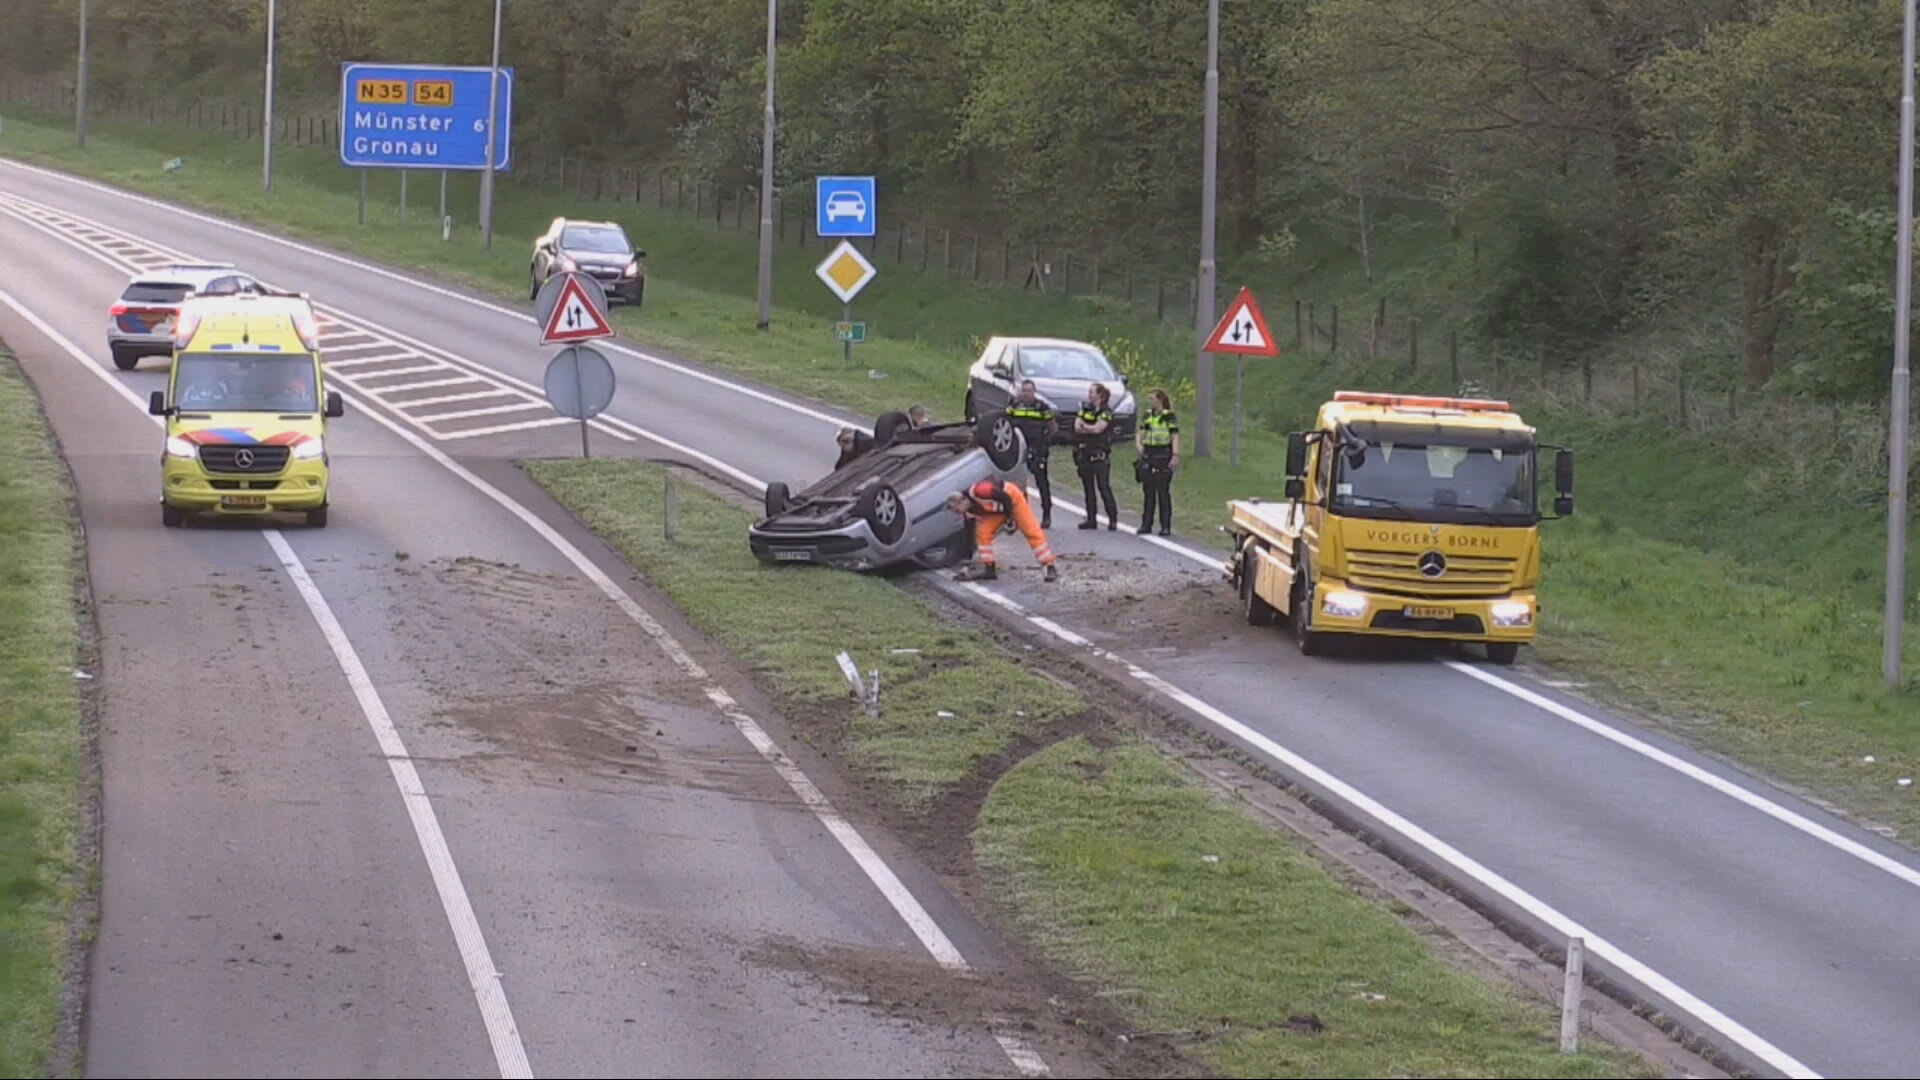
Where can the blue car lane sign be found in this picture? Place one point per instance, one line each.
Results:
(844, 206)
(422, 116)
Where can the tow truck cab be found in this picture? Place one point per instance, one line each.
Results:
(1406, 516)
(246, 410)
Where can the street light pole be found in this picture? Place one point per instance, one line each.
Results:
(80, 81)
(493, 120)
(766, 182)
(1203, 300)
(1893, 637)
(266, 150)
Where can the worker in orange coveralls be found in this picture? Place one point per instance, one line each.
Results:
(989, 504)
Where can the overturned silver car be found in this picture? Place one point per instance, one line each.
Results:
(888, 506)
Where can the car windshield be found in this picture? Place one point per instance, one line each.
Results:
(1061, 362)
(604, 240)
(246, 382)
(1437, 483)
(155, 292)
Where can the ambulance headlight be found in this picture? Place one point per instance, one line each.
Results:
(309, 450)
(1344, 603)
(179, 447)
(1511, 613)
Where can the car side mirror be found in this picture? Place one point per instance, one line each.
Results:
(1296, 488)
(336, 405)
(1563, 473)
(639, 253)
(157, 403)
(1296, 456)
(1563, 505)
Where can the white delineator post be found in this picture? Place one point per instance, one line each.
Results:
(1570, 995)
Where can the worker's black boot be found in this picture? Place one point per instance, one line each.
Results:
(978, 572)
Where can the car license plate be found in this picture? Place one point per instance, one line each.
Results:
(244, 502)
(1415, 611)
(794, 555)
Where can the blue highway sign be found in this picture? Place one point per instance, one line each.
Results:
(844, 206)
(419, 116)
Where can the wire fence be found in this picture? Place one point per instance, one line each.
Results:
(1390, 343)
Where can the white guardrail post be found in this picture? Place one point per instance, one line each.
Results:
(1570, 995)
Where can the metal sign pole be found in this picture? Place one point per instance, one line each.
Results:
(403, 194)
(846, 346)
(1239, 394)
(363, 196)
(1203, 298)
(1896, 616)
(766, 182)
(80, 81)
(493, 120)
(443, 194)
(580, 392)
(266, 148)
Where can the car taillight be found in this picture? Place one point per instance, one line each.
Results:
(117, 310)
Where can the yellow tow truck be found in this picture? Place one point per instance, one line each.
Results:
(246, 409)
(1405, 516)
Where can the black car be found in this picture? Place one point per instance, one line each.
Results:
(599, 249)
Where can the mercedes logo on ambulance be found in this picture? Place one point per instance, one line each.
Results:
(1432, 563)
(243, 458)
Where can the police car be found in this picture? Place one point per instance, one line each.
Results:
(141, 321)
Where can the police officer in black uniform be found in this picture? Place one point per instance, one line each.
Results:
(1093, 454)
(1036, 421)
(1158, 439)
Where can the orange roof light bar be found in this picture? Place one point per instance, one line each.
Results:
(1418, 401)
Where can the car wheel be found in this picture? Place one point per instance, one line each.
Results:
(125, 360)
(172, 516)
(885, 512)
(996, 434)
(889, 425)
(1503, 653)
(777, 498)
(317, 518)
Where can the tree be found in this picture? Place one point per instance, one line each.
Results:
(1764, 125)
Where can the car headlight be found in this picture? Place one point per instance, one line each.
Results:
(1345, 604)
(309, 450)
(180, 448)
(1512, 613)
(565, 262)
(633, 268)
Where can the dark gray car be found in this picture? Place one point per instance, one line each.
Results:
(1061, 370)
(599, 249)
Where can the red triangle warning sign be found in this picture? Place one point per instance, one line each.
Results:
(574, 318)
(1244, 330)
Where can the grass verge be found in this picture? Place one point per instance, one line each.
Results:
(1098, 850)
(1747, 620)
(40, 731)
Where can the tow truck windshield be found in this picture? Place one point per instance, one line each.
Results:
(246, 382)
(1438, 482)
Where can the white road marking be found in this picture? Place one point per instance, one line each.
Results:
(448, 399)
(524, 425)
(484, 978)
(1680, 765)
(1209, 560)
(490, 410)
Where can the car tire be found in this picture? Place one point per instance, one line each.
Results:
(777, 498)
(1503, 653)
(997, 434)
(317, 518)
(533, 283)
(172, 516)
(884, 511)
(125, 360)
(889, 425)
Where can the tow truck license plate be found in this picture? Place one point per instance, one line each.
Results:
(1415, 611)
(794, 555)
(244, 502)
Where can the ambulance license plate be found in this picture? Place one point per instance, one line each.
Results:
(244, 502)
(1415, 611)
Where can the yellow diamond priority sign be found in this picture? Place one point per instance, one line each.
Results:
(845, 271)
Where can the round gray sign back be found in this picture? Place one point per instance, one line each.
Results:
(579, 382)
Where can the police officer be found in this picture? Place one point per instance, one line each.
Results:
(1158, 439)
(1093, 454)
(1035, 420)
